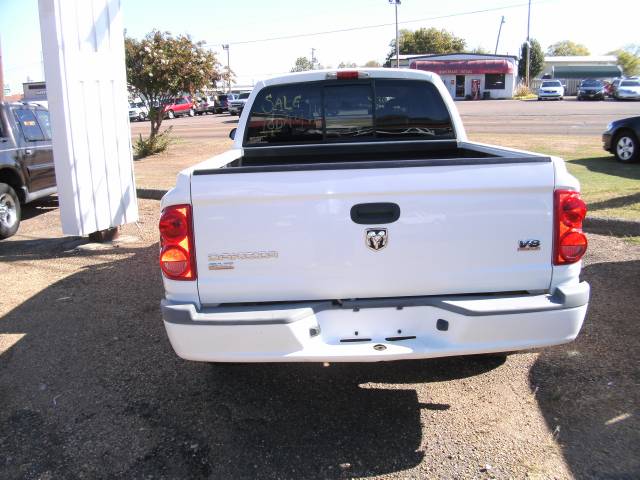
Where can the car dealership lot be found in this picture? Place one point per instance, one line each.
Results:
(90, 387)
(483, 116)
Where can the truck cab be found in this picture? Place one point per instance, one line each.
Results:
(27, 170)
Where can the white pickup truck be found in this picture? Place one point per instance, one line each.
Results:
(353, 221)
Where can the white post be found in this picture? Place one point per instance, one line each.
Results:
(83, 49)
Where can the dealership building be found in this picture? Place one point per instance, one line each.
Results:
(469, 75)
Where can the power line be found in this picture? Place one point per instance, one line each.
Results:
(380, 25)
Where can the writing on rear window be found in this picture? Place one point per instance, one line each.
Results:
(326, 111)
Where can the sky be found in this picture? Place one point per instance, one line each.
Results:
(216, 22)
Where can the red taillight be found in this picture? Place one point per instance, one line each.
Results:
(570, 244)
(177, 253)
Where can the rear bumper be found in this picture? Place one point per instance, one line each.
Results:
(376, 329)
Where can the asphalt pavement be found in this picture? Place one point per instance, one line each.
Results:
(566, 117)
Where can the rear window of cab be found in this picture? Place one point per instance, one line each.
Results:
(329, 111)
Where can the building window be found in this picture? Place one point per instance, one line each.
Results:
(494, 81)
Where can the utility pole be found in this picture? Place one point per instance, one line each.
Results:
(396, 3)
(499, 31)
(226, 47)
(528, 43)
(1, 75)
(313, 58)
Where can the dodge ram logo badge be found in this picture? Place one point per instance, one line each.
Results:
(376, 238)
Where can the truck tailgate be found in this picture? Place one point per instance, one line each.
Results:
(289, 235)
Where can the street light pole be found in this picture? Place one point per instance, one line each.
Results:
(499, 31)
(226, 47)
(528, 43)
(396, 3)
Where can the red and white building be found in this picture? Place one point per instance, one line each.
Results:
(469, 75)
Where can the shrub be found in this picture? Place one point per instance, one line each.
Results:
(143, 147)
(522, 91)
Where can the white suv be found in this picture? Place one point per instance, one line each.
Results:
(551, 89)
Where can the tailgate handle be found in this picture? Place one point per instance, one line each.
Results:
(375, 213)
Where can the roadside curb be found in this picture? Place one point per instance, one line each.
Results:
(612, 226)
(150, 193)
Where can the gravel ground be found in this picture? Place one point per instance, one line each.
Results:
(90, 388)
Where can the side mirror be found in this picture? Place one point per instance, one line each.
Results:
(232, 134)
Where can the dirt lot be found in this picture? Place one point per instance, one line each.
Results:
(90, 388)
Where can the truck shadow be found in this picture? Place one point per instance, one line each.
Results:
(588, 390)
(90, 387)
(39, 207)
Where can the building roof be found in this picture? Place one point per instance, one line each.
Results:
(428, 55)
(587, 71)
(582, 59)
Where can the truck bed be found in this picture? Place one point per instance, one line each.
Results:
(371, 155)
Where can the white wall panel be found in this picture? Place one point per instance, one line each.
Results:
(83, 48)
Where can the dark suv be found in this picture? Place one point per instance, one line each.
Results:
(592, 89)
(26, 161)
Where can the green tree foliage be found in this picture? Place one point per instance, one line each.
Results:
(427, 40)
(347, 65)
(372, 64)
(480, 50)
(161, 67)
(628, 59)
(536, 64)
(302, 65)
(567, 48)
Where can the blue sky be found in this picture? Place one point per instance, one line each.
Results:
(215, 21)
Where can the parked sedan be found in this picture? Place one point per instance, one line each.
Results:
(628, 90)
(591, 89)
(621, 139)
(551, 89)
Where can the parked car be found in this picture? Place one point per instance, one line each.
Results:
(208, 104)
(612, 87)
(26, 161)
(181, 106)
(138, 111)
(237, 105)
(224, 99)
(591, 89)
(551, 89)
(622, 139)
(628, 89)
(352, 220)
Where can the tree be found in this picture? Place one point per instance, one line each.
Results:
(481, 50)
(372, 64)
(161, 67)
(628, 59)
(567, 48)
(347, 65)
(536, 62)
(302, 65)
(427, 40)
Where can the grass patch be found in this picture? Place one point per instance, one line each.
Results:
(610, 188)
(632, 240)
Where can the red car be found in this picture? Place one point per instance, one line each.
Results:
(180, 106)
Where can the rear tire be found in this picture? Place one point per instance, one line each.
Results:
(171, 115)
(9, 211)
(626, 147)
(191, 112)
